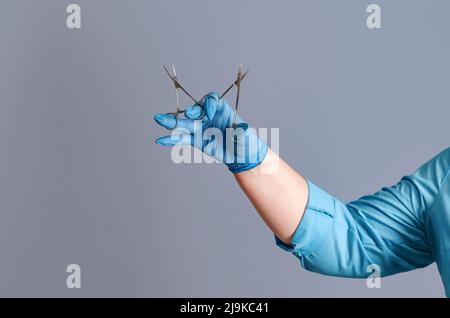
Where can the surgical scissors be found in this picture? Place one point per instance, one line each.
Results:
(178, 86)
(240, 76)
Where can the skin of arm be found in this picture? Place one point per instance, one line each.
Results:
(278, 193)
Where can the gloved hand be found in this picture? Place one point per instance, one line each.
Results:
(240, 148)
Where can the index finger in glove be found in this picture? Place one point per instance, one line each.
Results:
(211, 103)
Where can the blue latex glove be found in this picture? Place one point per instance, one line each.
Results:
(240, 152)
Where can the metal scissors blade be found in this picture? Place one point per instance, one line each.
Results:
(176, 91)
(236, 82)
(239, 78)
(178, 85)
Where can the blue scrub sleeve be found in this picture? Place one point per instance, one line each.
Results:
(384, 229)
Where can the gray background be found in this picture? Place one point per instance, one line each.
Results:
(81, 180)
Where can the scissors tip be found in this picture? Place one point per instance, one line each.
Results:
(245, 74)
(173, 68)
(165, 68)
(240, 70)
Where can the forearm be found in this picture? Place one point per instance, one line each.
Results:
(278, 193)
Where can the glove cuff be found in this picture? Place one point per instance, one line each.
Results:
(245, 166)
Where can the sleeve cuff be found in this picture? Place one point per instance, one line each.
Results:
(315, 223)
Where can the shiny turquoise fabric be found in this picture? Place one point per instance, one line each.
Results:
(399, 228)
